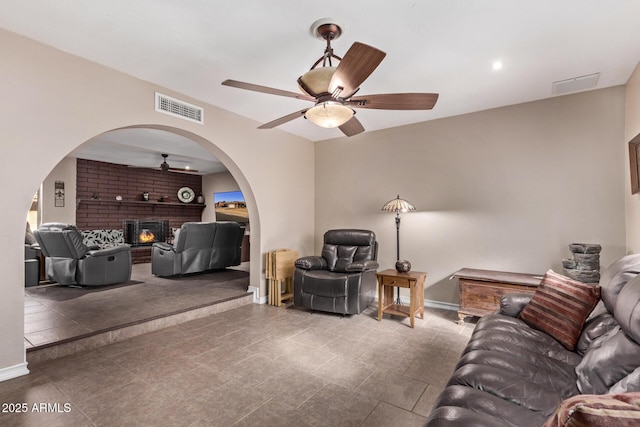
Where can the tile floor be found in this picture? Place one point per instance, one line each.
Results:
(253, 365)
(57, 313)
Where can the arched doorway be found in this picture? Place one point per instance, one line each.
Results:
(138, 131)
(55, 101)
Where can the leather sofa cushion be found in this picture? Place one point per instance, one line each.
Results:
(483, 403)
(595, 327)
(560, 306)
(616, 276)
(325, 284)
(610, 358)
(629, 383)
(456, 416)
(338, 256)
(513, 336)
(514, 362)
(627, 309)
(593, 410)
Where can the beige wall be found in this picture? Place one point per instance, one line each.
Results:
(504, 189)
(632, 128)
(52, 102)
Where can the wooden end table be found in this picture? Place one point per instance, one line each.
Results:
(390, 279)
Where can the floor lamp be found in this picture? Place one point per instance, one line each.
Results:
(398, 205)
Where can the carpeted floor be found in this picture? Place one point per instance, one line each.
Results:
(54, 313)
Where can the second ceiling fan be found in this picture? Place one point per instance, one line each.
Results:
(332, 88)
(164, 166)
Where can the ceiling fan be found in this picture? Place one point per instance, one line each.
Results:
(164, 167)
(332, 88)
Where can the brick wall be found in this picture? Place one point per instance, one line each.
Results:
(107, 180)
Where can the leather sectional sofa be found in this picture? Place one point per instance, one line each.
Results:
(513, 374)
(198, 247)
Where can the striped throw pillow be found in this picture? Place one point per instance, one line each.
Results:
(560, 306)
(620, 410)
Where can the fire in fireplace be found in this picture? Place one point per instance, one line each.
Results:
(145, 232)
(146, 236)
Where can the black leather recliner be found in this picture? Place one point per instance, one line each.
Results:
(343, 279)
(70, 262)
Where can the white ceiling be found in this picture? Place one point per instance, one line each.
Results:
(443, 46)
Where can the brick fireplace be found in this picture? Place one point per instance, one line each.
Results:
(98, 184)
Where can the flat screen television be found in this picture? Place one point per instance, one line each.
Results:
(230, 206)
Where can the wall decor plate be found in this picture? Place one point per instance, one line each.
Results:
(186, 195)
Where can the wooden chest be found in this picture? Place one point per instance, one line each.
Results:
(481, 290)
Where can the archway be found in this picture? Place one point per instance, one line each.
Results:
(240, 180)
(239, 177)
(55, 101)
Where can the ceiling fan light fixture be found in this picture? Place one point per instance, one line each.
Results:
(329, 114)
(316, 82)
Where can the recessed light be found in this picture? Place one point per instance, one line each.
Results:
(497, 65)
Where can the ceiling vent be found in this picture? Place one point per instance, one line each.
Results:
(575, 84)
(174, 107)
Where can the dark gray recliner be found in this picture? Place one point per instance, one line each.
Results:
(70, 262)
(343, 279)
(198, 247)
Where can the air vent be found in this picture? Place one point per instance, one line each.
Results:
(575, 84)
(174, 107)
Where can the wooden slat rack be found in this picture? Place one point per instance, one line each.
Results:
(279, 271)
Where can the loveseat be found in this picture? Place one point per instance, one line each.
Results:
(513, 372)
(198, 247)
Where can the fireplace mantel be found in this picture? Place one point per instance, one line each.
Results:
(140, 202)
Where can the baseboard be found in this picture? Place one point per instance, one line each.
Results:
(13, 371)
(442, 305)
(256, 299)
(431, 304)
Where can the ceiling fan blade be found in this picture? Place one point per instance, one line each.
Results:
(352, 127)
(178, 170)
(354, 68)
(283, 120)
(395, 101)
(266, 89)
(186, 171)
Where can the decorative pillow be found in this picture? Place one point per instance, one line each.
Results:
(103, 238)
(618, 410)
(560, 306)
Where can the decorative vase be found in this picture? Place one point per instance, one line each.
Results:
(200, 198)
(403, 266)
(145, 196)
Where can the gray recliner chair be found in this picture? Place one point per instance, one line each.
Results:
(70, 262)
(343, 279)
(198, 247)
